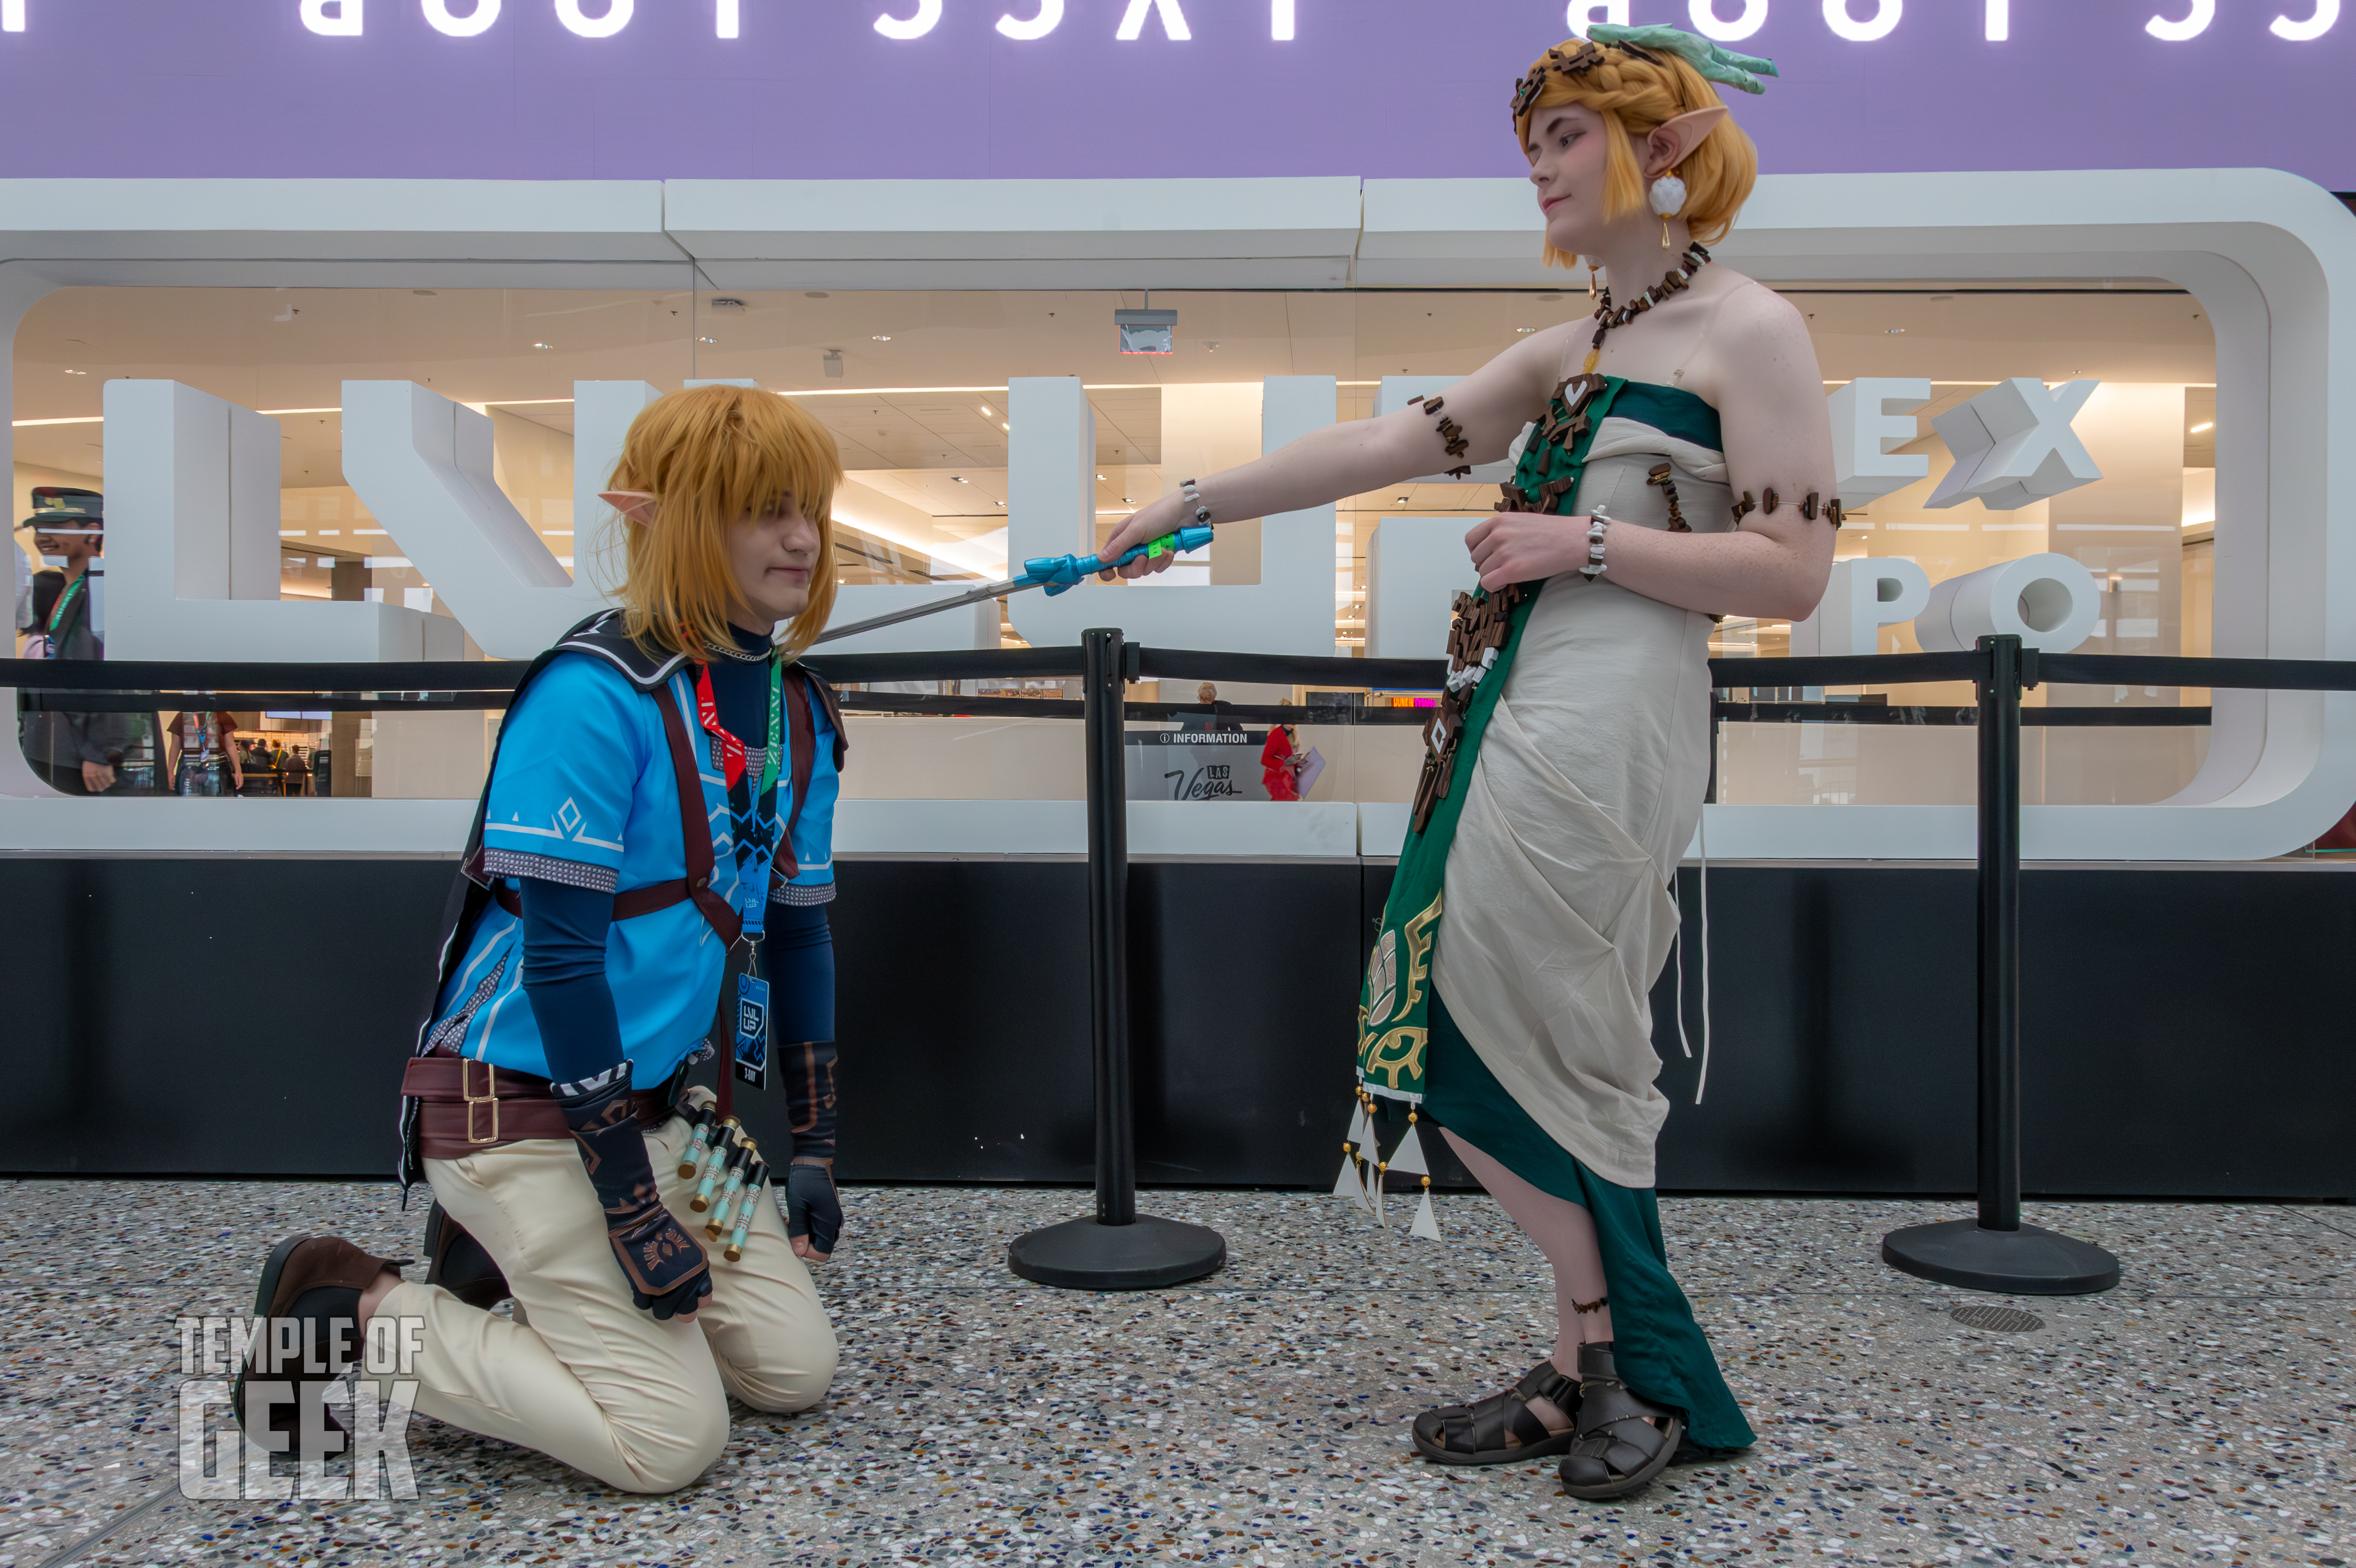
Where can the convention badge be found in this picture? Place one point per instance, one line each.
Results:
(753, 1030)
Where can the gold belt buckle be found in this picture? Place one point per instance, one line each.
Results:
(490, 1097)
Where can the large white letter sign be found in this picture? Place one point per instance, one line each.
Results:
(423, 465)
(576, 20)
(1871, 419)
(335, 18)
(1051, 510)
(1050, 12)
(438, 17)
(1132, 21)
(2013, 445)
(2049, 602)
(1415, 568)
(1864, 595)
(2327, 12)
(1705, 20)
(929, 13)
(192, 483)
(2194, 23)
(1877, 25)
(1585, 13)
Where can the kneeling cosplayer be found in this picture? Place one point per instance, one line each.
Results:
(645, 887)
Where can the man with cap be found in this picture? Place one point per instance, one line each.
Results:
(76, 753)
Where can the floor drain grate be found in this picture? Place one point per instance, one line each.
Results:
(1999, 1319)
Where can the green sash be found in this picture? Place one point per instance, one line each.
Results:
(1394, 1001)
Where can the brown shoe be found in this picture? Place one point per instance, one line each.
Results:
(459, 1264)
(306, 1308)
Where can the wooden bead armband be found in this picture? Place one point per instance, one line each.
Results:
(1450, 432)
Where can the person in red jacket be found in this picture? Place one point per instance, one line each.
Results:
(1279, 764)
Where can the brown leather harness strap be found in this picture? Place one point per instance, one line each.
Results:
(694, 832)
(804, 751)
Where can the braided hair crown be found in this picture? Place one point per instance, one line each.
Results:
(1635, 90)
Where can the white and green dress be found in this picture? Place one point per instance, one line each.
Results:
(1532, 895)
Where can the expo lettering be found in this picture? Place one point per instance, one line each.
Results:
(462, 19)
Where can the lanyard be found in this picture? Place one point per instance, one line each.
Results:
(65, 602)
(732, 750)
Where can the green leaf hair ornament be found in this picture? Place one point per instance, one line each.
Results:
(1710, 62)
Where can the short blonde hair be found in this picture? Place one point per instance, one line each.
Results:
(711, 456)
(1635, 92)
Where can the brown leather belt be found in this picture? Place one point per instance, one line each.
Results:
(467, 1106)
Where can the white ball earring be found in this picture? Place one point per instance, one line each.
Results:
(1669, 198)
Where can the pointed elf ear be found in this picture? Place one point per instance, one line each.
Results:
(1673, 141)
(635, 504)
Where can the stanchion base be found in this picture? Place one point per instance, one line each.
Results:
(2031, 1261)
(1081, 1254)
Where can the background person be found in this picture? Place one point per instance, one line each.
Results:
(1574, 742)
(75, 753)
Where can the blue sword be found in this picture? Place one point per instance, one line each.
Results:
(1055, 573)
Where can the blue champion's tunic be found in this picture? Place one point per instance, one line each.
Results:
(585, 793)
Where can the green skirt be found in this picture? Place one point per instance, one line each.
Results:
(1656, 1344)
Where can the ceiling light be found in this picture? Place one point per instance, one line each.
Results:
(815, 294)
(989, 413)
(1520, 329)
(1004, 426)
(1101, 478)
(425, 293)
(957, 479)
(833, 363)
(698, 340)
(882, 337)
(77, 372)
(1896, 331)
(1402, 500)
(2196, 430)
(727, 301)
(1126, 502)
(540, 346)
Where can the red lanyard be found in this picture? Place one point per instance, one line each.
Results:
(732, 750)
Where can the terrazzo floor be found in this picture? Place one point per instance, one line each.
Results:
(2199, 1413)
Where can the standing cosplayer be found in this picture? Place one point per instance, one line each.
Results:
(656, 822)
(1681, 464)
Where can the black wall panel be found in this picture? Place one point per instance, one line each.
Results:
(2183, 1034)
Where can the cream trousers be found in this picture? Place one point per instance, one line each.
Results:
(582, 1374)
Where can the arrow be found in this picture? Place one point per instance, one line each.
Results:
(1055, 573)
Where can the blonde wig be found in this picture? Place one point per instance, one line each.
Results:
(712, 456)
(1636, 91)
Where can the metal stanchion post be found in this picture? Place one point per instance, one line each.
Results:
(1994, 1251)
(1118, 1249)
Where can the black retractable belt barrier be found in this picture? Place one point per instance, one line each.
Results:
(1118, 1248)
(1994, 1251)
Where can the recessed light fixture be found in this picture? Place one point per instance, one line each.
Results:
(1402, 500)
(727, 301)
(1004, 426)
(989, 413)
(698, 340)
(1101, 478)
(1895, 332)
(77, 372)
(958, 479)
(540, 346)
(1126, 502)
(2196, 430)
(882, 337)
(1522, 329)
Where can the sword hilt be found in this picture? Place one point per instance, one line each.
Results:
(1058, 572)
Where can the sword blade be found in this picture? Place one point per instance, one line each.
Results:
(915, 612)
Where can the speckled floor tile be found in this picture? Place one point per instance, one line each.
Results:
(2199, 1415)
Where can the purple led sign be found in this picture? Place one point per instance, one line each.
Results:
(975, 89)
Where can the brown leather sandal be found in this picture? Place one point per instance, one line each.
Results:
(1622, 1442)
(1500, 1429)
